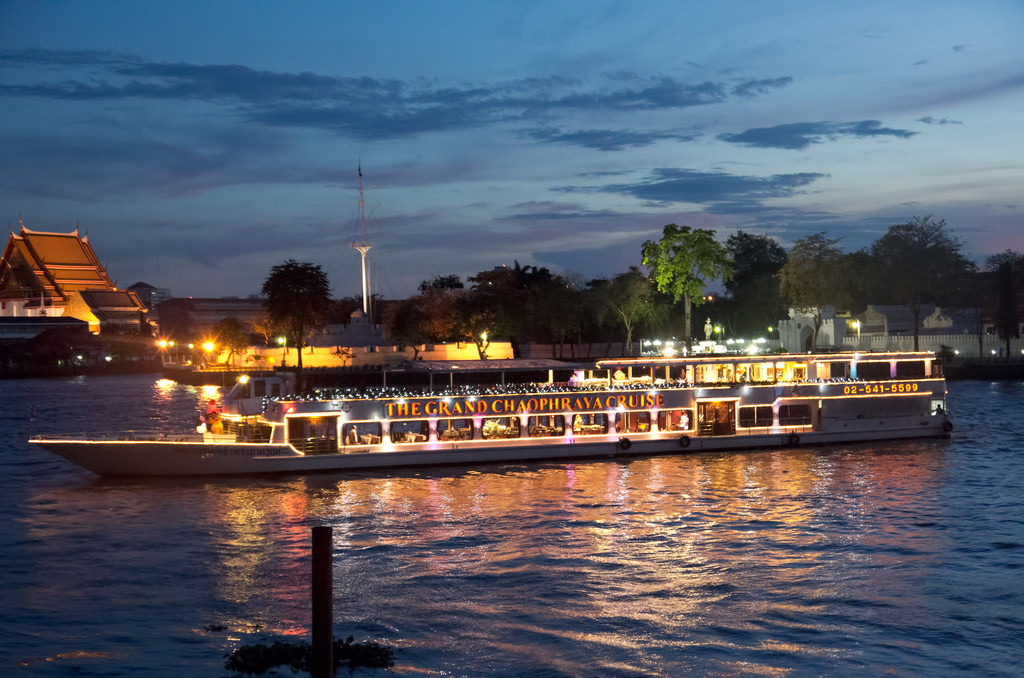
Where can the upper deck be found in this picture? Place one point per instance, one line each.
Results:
(771, 369)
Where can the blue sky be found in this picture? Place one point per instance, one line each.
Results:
(201, 143)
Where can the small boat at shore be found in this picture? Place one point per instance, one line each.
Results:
(612, 408)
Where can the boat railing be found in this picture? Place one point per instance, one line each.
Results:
(129, 435)
(384, 392)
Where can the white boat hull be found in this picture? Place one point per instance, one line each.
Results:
(126, 458)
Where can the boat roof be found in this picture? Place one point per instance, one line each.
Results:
(508, 364)
(818, 356)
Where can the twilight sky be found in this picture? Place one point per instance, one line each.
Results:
(198, 144)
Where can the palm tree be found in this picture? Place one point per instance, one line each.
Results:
(297, 299)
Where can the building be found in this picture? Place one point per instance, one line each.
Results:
(40, 272)
(963, 332)
(149, 295)
(109, 310)
(194, 318)
(358, 332)
(51, 275)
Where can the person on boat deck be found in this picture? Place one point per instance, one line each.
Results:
(213, 420)
(214, 423)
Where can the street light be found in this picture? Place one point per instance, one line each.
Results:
(856, 325)
(283, 341)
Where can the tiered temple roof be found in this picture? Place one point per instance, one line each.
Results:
(48, 268)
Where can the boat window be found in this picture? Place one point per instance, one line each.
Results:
(259, 388)
(249, 431)
(590, 424)
(762, 372)
(675, 420)
(633, 421)
(839, 370)
(909, 369)
(410, 431)
(313, 435)
(275, 389)
(756, 416)
(361, 433)
(873, 371)
(794, 415)
(546, 425)
(454, 429)
(500, 427)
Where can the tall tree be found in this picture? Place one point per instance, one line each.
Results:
(431, 316)
(555, 313)
(754, 287)
(919, 262)
(501, 300)
(683, 262)
(630, 296)
(812, 277)
(406, 324)
(1007, 269)
(297, 296)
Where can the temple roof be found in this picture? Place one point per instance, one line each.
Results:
(51, 266)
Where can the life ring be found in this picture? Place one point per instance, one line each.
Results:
(625, 443)
(684, 440)
(794, 439)
(947, 426)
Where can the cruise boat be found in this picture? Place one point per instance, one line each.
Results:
(611, 408)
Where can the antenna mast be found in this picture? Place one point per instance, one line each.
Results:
(363, 247)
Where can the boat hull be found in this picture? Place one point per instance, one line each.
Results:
(132, 458)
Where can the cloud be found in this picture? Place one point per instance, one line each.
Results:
(359, 107)
(605, 139)
(929, 120)
(668, 186)
(799, 135)
(554, 211)
(753, 88)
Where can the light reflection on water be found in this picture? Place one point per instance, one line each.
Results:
(786, 562)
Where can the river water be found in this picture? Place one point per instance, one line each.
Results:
(902, 559)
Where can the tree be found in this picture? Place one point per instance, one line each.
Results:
(1007, 269)
(231, 334)
(406, 325)
(754, 286)
(430, 317)
(682, 262)
(555, 313)
(500, 303)
(297, 299)
(919, 262)
(629, 297)
(812, 277)
(442, 282)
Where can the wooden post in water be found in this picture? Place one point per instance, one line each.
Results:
(323, 604)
